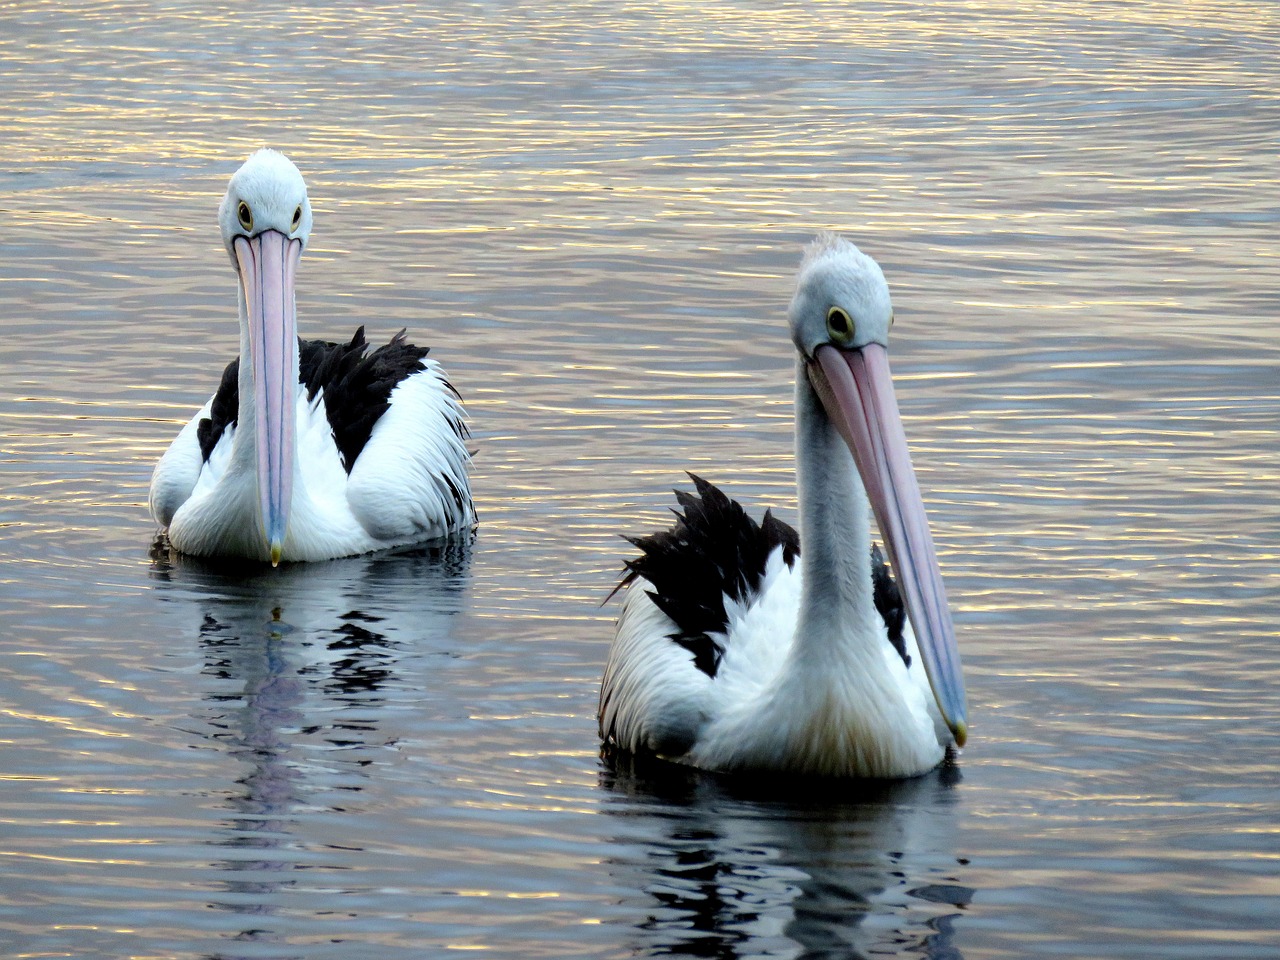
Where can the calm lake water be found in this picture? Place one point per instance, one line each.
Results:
(593, 212)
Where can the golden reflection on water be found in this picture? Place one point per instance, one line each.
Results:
(593, 215)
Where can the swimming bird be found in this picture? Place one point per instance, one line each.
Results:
(309, 450)
(748, 648)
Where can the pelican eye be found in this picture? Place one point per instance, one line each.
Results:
(297, 217)
(244, 215)
(839, 327)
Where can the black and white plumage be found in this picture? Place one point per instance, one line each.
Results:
(310, 450)
(745, 647)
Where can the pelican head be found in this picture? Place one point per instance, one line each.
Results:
(840, 318)
(266, 220)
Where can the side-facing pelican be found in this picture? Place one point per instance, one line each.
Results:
(308, 450)
(738, 652)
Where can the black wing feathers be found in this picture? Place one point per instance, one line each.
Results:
(222, 412)
(888, 600)
(357, 386)
(357, 389)
(714, 551)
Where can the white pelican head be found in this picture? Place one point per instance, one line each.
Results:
(266, 193)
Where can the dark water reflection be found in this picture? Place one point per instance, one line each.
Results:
(839, 870)
(284, 651)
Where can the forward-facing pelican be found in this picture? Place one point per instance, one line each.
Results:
(308, 450)
(736, 650)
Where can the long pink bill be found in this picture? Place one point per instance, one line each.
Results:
(856, 388)
(268, 264)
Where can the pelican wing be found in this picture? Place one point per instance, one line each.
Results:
(357, 384)
(652, 698)
(696, 590)
(401, 430)
(659, 684)
(175, 475)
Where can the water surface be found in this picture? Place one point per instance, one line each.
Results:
(593, 214)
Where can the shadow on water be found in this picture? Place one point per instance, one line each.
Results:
(302, 663)
(841, 870)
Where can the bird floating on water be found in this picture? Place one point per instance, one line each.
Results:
(309, 450)
(737, 650)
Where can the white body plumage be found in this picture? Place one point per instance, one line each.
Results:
(770, 708)
(401, 489)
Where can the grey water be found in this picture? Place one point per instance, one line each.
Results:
(593, 213)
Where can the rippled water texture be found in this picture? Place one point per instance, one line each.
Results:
(593, 212)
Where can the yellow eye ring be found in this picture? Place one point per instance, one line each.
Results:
(244, 215)
(840, 327)
(297, 217)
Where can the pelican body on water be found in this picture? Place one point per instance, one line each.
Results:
(309, 450)
(749, 648)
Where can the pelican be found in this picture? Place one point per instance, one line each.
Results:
(738, 652)
(308, 450)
